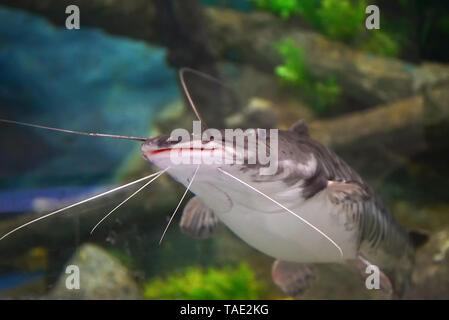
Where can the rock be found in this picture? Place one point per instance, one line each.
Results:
(101, 277)
(366, 78)
(430, 276)
(215, 34)
(258, 113)
(437, 116)
(380, 120)
(384, 132)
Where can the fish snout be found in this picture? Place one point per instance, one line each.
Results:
(153, 145)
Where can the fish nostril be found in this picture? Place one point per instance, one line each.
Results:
(163, 141)
(171, 141)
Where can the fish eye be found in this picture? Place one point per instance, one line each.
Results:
(171, 140)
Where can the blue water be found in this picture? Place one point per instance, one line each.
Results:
(16, 279)
(17, 201)
(75, 79)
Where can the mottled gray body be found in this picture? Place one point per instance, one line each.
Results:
(315, 183)
(381, 239)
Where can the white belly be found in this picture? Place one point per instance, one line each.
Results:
(274, 231)
(281, 235)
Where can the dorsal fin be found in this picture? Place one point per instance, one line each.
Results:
(300, 128)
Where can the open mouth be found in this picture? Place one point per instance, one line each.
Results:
(159, 151)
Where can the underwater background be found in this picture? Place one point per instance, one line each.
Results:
(379, 98)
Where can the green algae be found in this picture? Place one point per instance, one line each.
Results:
(238, 282)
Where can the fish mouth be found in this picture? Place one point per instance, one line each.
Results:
(165, 150)
(185, 155)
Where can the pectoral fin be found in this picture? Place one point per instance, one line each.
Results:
(293, 278)
(198, 220)
(349, 192)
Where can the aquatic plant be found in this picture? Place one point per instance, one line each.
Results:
(238, 282)
(326, 94)
(126, 259)
(283, 8)
(381, 43)
(294, 69)
(294, 72)
(341, 19)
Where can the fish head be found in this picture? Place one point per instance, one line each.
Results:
(190, 157)
(236, 152)
(255, 157)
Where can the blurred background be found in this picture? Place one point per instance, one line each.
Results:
(379, 98)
